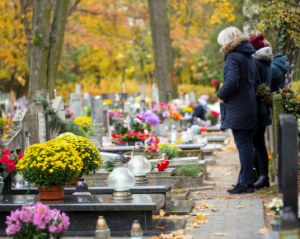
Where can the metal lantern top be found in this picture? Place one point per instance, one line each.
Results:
(120, 160)
(138, 150)
(101, 223)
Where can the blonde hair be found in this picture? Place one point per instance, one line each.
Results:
(267, 44)
(228, 35)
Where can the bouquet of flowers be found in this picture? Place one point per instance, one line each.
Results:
(8, 163)
(69, 113)
(263, 93)
(131, 137)
(37, 221)
(291, 102)
(212, 116)
(149, 118)
(86, 150)
(175, 115)
(54, 163)
(171, 150)
(163, 111)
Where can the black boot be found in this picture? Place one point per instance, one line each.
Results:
(263, 181)
(242, 188)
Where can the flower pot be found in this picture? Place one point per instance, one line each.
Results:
(132, 143)
(53, 193)
(74, 182)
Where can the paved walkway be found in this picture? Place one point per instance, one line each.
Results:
(238, 223)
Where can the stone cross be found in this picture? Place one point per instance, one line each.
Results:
(59, 108)
(97, 114)
(78, 89)
(106, 120)
(17, 139)
(192, 97)
(288, 160)
(76, 104)
(86, 100)
(187, 98)
(143, 97)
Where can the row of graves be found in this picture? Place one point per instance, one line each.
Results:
(137, 186)
(134, 190)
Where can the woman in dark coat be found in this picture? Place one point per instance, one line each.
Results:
(263, 59)
(238, 102)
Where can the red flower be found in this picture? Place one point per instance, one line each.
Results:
(214, 113)
(5, 152)
(116, 136)
(140, 118)
(20, 155)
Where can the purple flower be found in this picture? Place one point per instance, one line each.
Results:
(149, 118)
(166, 114)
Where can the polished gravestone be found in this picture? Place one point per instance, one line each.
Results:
(123, 149)
(84, 211)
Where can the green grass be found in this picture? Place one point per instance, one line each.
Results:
(188, 170)
(269, 191)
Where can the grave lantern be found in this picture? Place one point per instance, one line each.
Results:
(136, 230)
(139, 165)
(184, 136)
(121, 180)
(173, 134)
(102, 230)
(190, 134)
(1, 185)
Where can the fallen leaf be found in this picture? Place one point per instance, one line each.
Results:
(266, 204)
(263, 231)
(238, 197)
(221, 234)
(263, 196)
(162, 227)
(203, 222)
(177, 190)
(229, 197)
(155, 217)
(185, 237)
(228, 174)
(219, 168)
(270, 213)
(200, 192)
(162, 213)
(201, 217)
(225, 159)
(215, 209)
(239, 207)
(179, 232)
(207, 205)
(217, 182)
(176, 217)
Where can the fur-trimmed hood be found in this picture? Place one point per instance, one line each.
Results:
(235, 45)
(263, 54)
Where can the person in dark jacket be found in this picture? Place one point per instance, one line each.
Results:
(280, 66)
(199, 111)
(263, 59)
(238, 103)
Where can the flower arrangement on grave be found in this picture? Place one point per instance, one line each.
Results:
(131, 137)
(119, 127)
(212, 116)
(277, 206)
(188, 110)
(87, 151)
(69, 113)
(263, 93)
(171, 150)
(175, 116)
(50, 164)
(83, 120)
(149, 118)
(37, 221)
(8, 163)
(163, 111)
(107, 102)
(291, 102)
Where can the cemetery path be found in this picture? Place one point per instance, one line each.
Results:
(225, 173)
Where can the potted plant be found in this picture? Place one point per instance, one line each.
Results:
(86, 150)
(37, 221)
(50, 166)
(171, 150)
(8, 168)
(277, 206)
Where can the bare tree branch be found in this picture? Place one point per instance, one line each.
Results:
(73, 7)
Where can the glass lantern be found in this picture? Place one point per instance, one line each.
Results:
(184, 136)
(139, 165)
(190, 134)
(121, 180)
(20, 183)
(136, 230)
(173, 134)
(102, 230)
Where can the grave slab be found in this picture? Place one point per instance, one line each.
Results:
(83, 215)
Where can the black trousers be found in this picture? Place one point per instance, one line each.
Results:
(261, 160)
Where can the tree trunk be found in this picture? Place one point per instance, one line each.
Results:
(40, 47)
(56, 41)
(250, 10)
(292, 52)
(162, 49)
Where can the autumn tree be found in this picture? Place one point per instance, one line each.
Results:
(285, 16)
